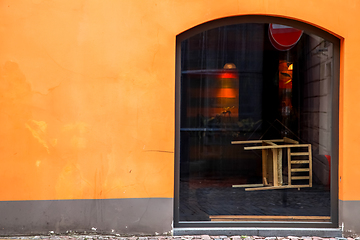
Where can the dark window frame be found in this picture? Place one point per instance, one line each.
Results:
(334, 118)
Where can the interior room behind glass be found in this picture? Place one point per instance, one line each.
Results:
(236, 86)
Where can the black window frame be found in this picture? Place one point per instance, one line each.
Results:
(334, 223)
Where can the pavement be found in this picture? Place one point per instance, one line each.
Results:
(193, 237)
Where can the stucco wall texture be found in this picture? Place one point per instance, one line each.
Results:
(87, 92)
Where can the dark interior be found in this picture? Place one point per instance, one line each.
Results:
(231, 91)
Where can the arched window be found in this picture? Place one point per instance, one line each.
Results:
(256, 124)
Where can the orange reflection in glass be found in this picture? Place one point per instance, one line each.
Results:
(226, 93)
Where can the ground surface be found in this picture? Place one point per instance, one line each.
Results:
(196, 237)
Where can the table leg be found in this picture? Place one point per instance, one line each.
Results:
(264, 166)
(279, 165)
(275, 167)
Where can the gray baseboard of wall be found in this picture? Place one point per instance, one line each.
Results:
(98, 216)
(350, 217)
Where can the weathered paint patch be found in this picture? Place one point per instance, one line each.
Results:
(38, 130)
(78, 131)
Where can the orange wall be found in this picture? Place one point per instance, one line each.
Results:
(87, 92)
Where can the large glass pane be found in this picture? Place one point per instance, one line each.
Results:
(236, 85)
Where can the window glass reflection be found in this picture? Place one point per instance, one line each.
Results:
(238, 85)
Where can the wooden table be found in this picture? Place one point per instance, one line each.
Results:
(299, 163)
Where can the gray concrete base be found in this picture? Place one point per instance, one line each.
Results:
(103, 216)
(264, 232)
(350, 217)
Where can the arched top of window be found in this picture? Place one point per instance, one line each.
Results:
(311, 29)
